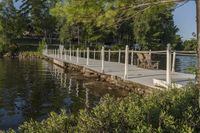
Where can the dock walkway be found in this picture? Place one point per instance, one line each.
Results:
(147, 77)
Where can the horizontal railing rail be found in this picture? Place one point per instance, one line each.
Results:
(124, 56)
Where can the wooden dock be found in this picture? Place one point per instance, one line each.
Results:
(147, 77)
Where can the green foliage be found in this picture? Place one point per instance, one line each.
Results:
(190, 45)
(42, 46)
(118, 46)
(192, 69)
(54, 124)
(30, 55)
(110, 22)
(170, 111)
(155, 28)
(32, 19)
(36, 14)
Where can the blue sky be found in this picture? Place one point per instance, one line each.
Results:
(184, 18)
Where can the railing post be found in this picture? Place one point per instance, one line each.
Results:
(70, 54)
(88, 56)
(150, 54)
(94, 54)
(60, 51)
(65, 54)
(168, 65)
(126, 63)
(174, 61)
(119, 56)
(109, 55)
(132, 57)
(102, 59)
(77, 55)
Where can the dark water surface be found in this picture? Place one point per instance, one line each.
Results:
(30, 89)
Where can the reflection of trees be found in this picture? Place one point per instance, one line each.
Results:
(87, 98)
(77, 89)
(20, 77)
(70, 86)
(33, 88)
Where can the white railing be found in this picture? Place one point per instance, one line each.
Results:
(92, 55)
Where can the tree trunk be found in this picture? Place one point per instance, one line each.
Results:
(198, 46)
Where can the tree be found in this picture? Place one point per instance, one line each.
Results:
(78, 19)
(9, 19)
(40, 22)
(154, 28)
(198, 45)
(190, 44)
(114, 22)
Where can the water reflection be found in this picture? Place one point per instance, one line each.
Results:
(182, 63)
(33, 88)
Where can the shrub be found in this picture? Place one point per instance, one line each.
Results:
(164, 111)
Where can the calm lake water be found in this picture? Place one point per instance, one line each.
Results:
(30, 89)
(33, 88)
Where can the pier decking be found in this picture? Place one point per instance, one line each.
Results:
(147, 77)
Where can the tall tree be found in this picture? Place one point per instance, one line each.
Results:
(12, 22)
(37, 12)
(154, 28)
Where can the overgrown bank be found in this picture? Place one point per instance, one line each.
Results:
(170, 111)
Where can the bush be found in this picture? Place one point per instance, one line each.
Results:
(42, 45)
(171, 111)
(29, 54)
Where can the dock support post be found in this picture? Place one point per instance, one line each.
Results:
(102, 59)
(132, 57)
(77, 55)
(70, 54)
(57, 54)
(168, 65)
(174, 61)
(84, 53)
(109, 55)
(94, 54)
(126, 63)
(88, 56)
(119, 56)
